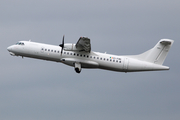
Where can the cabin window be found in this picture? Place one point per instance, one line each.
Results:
(87, 56)
(110, 60)
(100, 58)
(107, 59)
(90, 56)
(81, 55)
(77, 54)
(74, 53)
(97, 57)
(119, 61)
(45, 49)
(67, 53)
(64, 52)
(116, 60)
(51, 50)
(70, 53)
(54, 50)
(48, 49)
(113, 60)
(84, 55)
(104, 58)
(58, 51)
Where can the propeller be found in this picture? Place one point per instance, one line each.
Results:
(62, 45)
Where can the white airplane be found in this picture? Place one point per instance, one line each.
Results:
(80, 56)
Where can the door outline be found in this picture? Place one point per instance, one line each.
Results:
(126, 64)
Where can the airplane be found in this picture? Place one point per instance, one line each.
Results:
(80, 56)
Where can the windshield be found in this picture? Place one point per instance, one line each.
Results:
(19, 43)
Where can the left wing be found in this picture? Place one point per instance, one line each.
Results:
(84, 44)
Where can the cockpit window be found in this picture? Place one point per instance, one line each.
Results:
(19, 43)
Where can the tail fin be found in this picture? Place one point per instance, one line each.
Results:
(158, 53)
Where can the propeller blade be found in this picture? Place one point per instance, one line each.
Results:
(62, 45)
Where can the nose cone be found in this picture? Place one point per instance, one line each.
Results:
(9, 48)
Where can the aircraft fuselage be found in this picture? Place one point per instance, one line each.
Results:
(80, 59)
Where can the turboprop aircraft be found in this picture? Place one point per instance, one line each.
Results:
(80, 56)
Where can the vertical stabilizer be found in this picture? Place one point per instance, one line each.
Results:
(158, 53)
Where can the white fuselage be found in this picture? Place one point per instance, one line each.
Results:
(87, 60)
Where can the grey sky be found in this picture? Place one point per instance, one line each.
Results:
(42, 90)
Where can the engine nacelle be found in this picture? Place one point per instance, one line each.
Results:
(70, 47)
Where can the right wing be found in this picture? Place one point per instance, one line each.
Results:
(84, 44)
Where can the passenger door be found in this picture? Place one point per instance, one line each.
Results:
(126, 63)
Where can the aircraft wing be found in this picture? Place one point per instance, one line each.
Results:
(84, 44)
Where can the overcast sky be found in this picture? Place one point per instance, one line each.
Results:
(32, 89)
